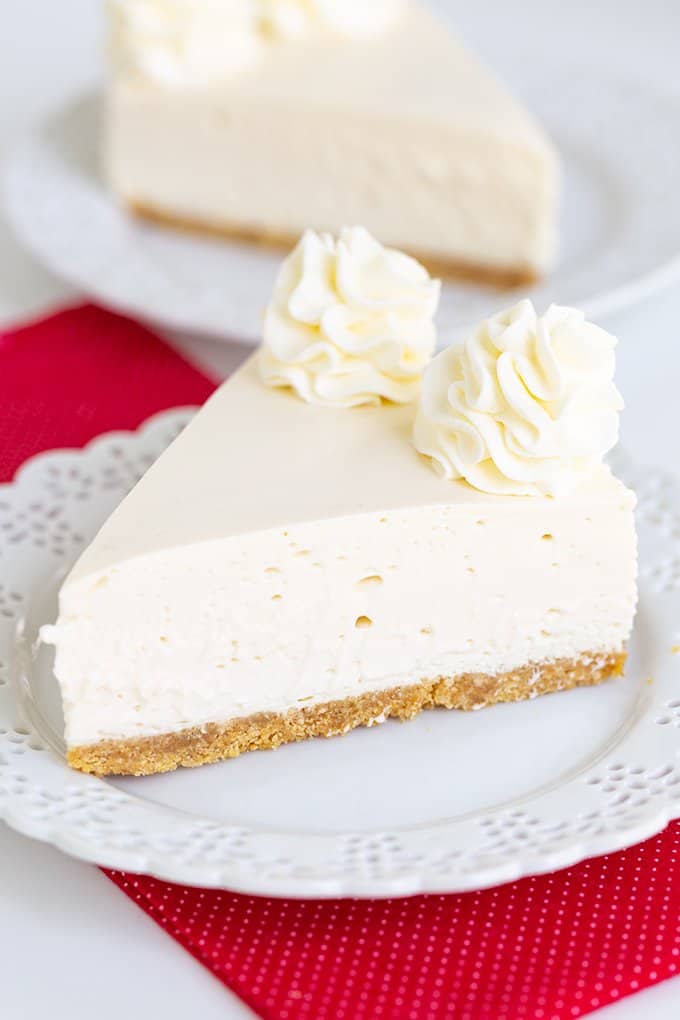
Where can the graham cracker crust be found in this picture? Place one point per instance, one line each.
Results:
(215, 741)
(491, 276)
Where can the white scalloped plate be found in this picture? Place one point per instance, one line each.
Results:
(620, 234)
(450, 801)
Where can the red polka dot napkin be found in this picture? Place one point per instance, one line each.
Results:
(547, 948)
(550, 948)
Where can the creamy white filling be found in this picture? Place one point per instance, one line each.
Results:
(471, 197)
(404, 134)
(288, 618)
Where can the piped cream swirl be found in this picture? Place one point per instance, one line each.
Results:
(525, 406)
(295, 19)
(192, 43)
(184, 43)
(350, 322)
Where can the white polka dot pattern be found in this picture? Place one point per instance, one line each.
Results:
(550, 947)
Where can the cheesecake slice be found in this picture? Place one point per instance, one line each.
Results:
(399, 128)
(293, 567)
(288, 571)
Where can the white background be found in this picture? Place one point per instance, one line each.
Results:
(70, 942)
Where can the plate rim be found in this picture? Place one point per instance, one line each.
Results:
(63, 821)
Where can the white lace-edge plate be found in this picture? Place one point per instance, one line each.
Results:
(620, 236)
(448, 802)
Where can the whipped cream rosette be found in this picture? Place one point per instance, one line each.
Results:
(192, 43)
(350, 322)
(181, 43)
(525, 406)
(351, 18)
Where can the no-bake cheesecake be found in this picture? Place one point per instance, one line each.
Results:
(260, 119)
(334, 540)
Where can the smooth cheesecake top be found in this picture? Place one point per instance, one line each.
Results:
(257, 459)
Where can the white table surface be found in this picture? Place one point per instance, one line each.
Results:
(70, 942)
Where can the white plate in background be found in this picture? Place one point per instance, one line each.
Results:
(620, 231)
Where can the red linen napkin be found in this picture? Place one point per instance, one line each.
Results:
(547, 948)
(82, 372)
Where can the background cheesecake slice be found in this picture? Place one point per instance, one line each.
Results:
(402, 131)
(288, 570)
